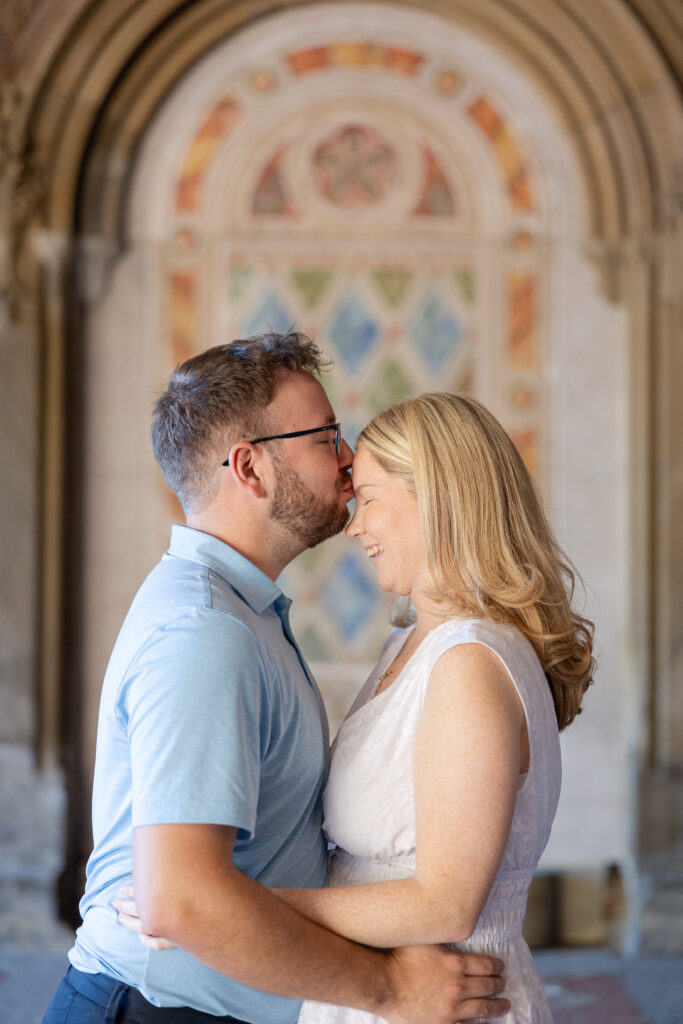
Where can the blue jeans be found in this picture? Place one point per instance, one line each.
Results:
(98, 999)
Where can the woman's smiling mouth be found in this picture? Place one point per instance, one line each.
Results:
(374, 550)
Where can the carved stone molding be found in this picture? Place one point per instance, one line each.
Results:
(676, 193)
(12, 104)
(616, 260)
(15, 17)
(608, 259)
(95, 261)
(22, 186)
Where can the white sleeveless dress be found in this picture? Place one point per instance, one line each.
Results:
(370, 810)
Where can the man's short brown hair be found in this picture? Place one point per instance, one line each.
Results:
(217, 398)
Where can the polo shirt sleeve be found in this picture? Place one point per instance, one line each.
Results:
(192, 704)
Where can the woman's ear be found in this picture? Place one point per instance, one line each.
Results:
(247, 466)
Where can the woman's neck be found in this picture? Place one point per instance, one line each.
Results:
(427, 620)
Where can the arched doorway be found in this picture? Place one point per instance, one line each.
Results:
(537, 299)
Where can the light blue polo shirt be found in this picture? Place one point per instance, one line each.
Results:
(208, 715)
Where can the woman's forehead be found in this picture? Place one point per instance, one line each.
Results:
(367, 471)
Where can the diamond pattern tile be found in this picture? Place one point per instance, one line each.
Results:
(349, 596)
(393, 385)
(391, 325)
(311, 284)
(271, 314)
(436, 333)
(312, 645)
(466, 285)
(239, 278)
(354, 332)
(392, 284)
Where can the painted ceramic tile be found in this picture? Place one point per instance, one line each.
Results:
(521, 341)
(437, 199)
(183, 302)
(311, 284)
(507, 151)
(270, 197)
(393, 283)
(355, 55)
(271, 314)
(354, 167)
(436, 333)
(220, 121)
(350, 596)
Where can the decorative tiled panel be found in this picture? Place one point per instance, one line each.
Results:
(394, 328)
(359, 224)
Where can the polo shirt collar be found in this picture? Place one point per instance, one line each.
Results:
(257, 589)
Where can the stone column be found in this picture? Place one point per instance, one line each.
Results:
(31, 788)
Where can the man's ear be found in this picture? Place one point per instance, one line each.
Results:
(247, 466)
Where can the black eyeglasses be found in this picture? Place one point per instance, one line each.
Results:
(300, 433)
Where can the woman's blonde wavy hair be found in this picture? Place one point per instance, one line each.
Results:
(489, 546)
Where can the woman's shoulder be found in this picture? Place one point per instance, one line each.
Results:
(511, 647)
(503, 638)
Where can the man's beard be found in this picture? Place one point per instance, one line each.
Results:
(308, 517)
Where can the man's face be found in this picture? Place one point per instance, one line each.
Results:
(313, 483)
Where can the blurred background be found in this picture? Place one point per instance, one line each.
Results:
(480, 195)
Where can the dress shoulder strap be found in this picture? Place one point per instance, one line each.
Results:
(519, 659)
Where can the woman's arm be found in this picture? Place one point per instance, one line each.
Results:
(466, 765)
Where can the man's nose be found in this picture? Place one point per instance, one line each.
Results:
(345, 455)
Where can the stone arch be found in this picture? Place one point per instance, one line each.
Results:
(90, 113)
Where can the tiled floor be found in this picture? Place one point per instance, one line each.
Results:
(591, 1000)
(586, 987)
(597, 987)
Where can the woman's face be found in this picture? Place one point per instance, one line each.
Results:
(387, 523)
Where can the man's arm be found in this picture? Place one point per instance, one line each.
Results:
(188, 889)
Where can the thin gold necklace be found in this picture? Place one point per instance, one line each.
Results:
(385, 675)
(392, 668)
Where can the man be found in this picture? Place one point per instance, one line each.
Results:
(212, 739)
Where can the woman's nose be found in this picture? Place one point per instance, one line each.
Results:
(353, 529)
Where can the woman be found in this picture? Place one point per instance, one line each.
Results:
(446, 772)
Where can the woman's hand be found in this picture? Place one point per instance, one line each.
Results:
(128, 917)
